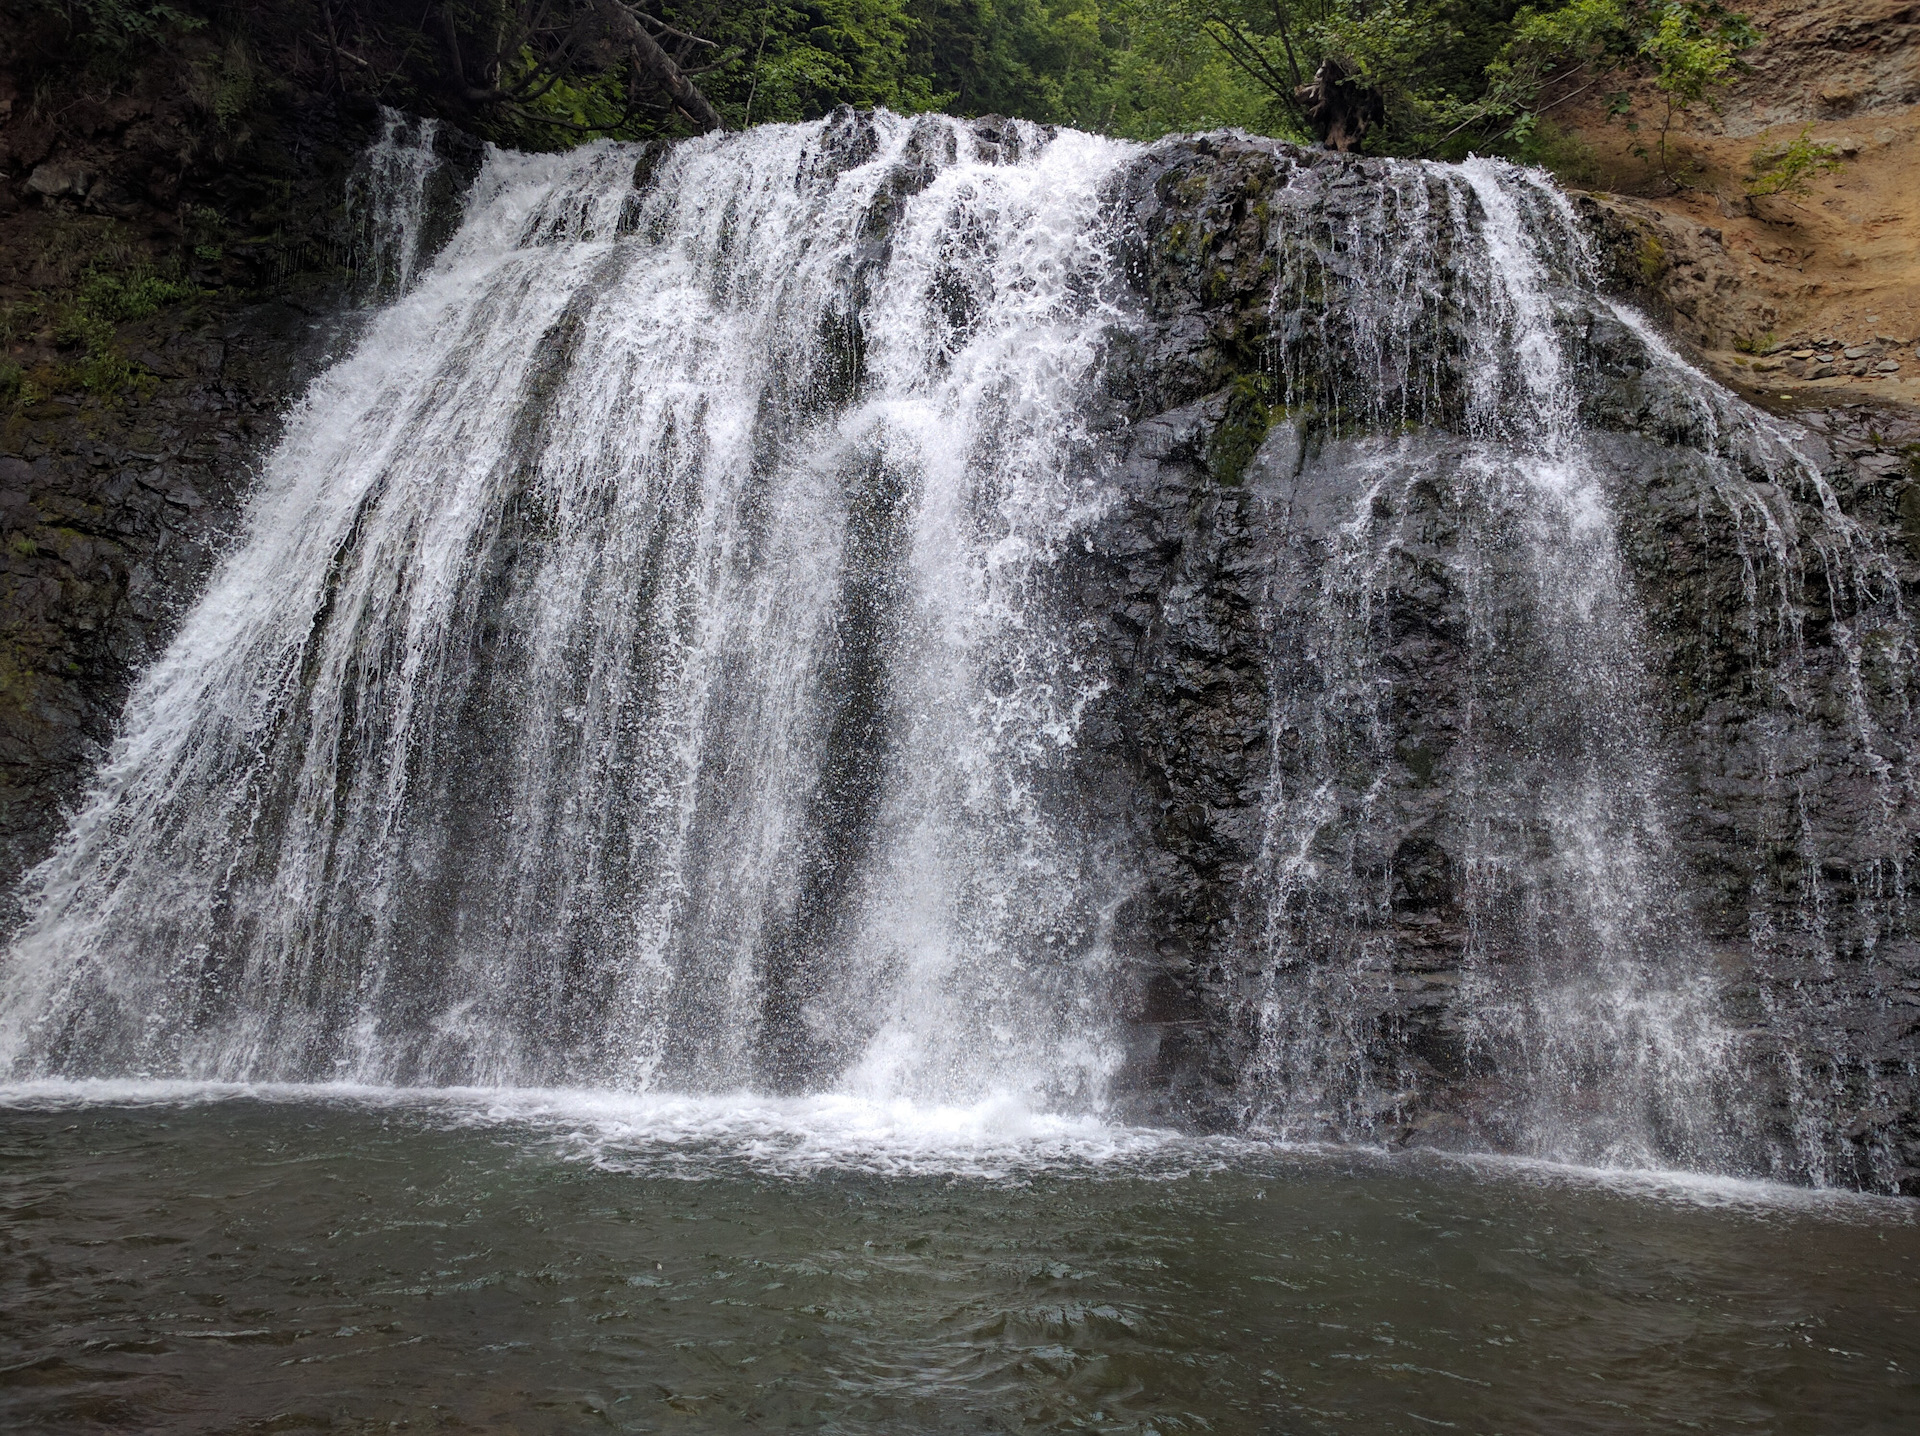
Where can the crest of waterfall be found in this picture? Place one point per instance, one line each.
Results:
(640, 668)
(1586, 1000)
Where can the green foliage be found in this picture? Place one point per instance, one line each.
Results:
(1242, 429)
(102, 368)
(1552, 147)
(806, 60)
(122, 25)
(117, 298)
(1450, 76)
(1694, 48)
(1136, 68)
(1651, 257)
(1169, 73)
(226, 84)
(1789, 168)
(85, 319)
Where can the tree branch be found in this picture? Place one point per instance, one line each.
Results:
(1232, 42)
(666, 29)
(658, 66)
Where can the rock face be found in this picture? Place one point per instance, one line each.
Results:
(112, 521)
(1768, 611)
(1750, 279)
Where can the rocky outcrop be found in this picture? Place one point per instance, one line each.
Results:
(1824, 61)
(1746, 280)
(1776, 600)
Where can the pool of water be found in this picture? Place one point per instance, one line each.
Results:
(206, 1260)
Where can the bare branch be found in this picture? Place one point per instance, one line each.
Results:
(666, 29)
(1234, 44)
(658, 66)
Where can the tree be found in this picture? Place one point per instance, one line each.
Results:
(1694, 49)
(1786, 170)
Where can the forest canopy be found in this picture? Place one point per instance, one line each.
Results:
(1427, 77)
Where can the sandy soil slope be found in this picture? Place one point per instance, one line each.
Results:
(1799, 295)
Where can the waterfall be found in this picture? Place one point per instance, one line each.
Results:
(703, 639)
(1490, 893)
(640, 669)
(1583, 985)
(387, 204)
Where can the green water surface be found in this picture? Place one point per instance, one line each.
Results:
(249, 1265)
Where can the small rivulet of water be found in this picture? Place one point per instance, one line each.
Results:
(640, 669)
(387, 204)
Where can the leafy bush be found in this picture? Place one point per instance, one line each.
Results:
(116, 298)
(1789, 168)
(121, 25)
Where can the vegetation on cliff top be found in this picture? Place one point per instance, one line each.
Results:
(1393, 76)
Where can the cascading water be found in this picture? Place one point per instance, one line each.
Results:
(639, 670)
(1583, 985)
(387, 203)
(669, 655)
(1488, 891)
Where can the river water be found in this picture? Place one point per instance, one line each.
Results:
(203, 1259)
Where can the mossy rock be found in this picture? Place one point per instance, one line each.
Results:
(1241, 430)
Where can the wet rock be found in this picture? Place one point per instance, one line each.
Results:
(55, 181)
(1800, 861)
(114, 504)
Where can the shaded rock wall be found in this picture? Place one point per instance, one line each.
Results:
(113, 517)
(128, 440)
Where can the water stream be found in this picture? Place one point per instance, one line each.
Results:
(550, 1262)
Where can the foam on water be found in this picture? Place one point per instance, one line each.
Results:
(697, 1136)
(1001, 1139)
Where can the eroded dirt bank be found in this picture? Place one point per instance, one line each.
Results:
(1812, 298)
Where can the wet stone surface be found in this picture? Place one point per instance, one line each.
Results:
(1777, 627)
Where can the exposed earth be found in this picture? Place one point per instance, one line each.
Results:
(1814, 297)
